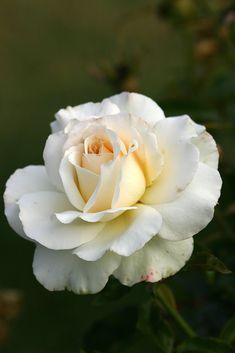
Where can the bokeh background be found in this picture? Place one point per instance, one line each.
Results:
(53, 54)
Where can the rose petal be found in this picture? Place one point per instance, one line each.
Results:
(52, 154)
(194, 208)
(93, 162)
(149, 156)
(157, 260)
(84, 112)
(37, 214)
(104, 216)
(124, 126)
(178, 127)
(181, 159)
(101, 199)
(87, 182)
(57, 270)
(124, 235)
(23, 181)
(139, 106)
(131, 182)
(69, 178)
(208, 149)
(131, 129)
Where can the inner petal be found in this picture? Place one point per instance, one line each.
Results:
(93, 162)
(94, 144)
(98, 150)
(131, 182)
(86, 179)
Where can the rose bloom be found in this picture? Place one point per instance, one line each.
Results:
(122, 193)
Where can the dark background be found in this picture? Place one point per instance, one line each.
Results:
(181, 53)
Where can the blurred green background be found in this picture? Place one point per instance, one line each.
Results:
(181, 53)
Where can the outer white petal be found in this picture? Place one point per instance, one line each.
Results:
(181, 159)
(37, 214)
(57, 270)
(23, 181)
(139, 106)
(103, 216)
(186, 126)
(87, 110)
(52, 154)
(124, 235)
(208, 149)
(194, 208)
(204, 142)
(198, 127)
(83, 112)
(157, 260)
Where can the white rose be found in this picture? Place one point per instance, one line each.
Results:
(122, 192)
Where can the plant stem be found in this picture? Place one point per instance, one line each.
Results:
(177, 317)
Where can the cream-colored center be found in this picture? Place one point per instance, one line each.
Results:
(97, 151)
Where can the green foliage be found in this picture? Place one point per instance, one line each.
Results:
(204, 260)
(154, 328)
(205, 345)
(228, 331)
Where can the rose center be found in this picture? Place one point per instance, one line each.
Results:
(99, 146)
(97, 151)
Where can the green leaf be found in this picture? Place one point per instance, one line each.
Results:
(205, 345)
(228, 332)
(204, 260)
